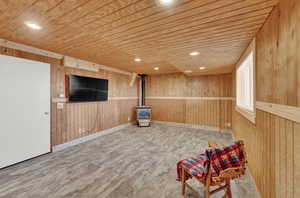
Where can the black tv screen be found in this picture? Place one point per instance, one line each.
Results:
(85, 89)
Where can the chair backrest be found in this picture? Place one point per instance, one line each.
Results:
(228, 162)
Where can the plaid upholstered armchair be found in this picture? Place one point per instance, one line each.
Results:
(216, 166)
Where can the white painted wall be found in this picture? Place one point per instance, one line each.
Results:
(24, 109)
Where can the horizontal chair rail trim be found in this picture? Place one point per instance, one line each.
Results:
(123, 98)
(188, 98)
(65, 100)
(285, 111)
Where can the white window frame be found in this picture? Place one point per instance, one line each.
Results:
(248, 111)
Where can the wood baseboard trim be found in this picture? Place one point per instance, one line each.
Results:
(285, 111)
(89, 137)
(203, 127)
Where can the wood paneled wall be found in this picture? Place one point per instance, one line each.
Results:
(272, 143)
(201, 100)
(76, 120)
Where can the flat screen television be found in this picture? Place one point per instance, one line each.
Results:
(86, 89)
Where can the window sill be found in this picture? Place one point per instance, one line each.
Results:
(249, 115)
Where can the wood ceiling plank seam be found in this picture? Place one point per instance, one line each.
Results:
(202, 36)
(76, 19)
(245, 44)
(123, 25)
(152, 20)
(218, 14)
(118, 32)
(211, 44)
(169, 16)
(87, 14)
(16, 18)
(194, 29)
(191, 32)
(21, 11)
(158, 12)
(215, 32)
(216, 44)
(226, 36)
(96, 41)
(223, 42)
(171, 61)
(118, 10)
(71, 47)
(63, 30)
(55, 6)
(181, 35)
(4, 7)
(221, 45)
(174, 44)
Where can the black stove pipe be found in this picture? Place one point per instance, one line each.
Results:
(143, 76)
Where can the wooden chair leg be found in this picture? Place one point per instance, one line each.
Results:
(228, 189)
(183, 188)
(207, 193)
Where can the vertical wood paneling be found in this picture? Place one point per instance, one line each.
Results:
(273, 142)
(87, 118)
(179, 85)
(278, 47)
(215, 113)
(272, 152)
(196, 112)
(80, 119)
(296, 160)
(266, 42)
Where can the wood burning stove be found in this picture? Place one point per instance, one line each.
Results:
(143, 113)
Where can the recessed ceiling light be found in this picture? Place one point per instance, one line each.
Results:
(194, 53)
(156, 68)
(166, 2)
(202, 68)
(188, 71)
(137, 60)
(34, 26)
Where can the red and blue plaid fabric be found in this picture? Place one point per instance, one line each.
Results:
(219, 159)
(196, 166)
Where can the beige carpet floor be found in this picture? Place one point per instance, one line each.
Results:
(131, 163)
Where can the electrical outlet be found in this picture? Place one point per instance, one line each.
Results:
(81, 131)
(60, 105)
(128, 119)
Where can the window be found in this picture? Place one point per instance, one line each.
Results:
(245, 87)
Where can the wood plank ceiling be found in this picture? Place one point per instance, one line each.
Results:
(114, 32)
